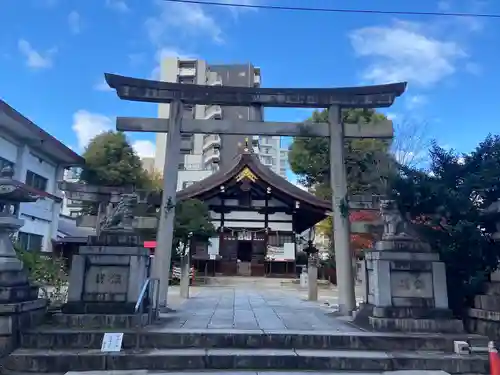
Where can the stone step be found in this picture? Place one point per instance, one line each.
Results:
(43, 360)
(98, 321)
(51, 338)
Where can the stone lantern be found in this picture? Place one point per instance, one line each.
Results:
(19, 300)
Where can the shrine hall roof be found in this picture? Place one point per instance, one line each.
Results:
(247, 159)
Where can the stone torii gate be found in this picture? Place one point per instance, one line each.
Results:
(335, 99)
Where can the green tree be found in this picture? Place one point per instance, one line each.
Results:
(192, 220)
(446, 204)
(110, 160)
(366, 160)
(310, 159)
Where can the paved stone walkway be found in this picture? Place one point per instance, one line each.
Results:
(253, 309)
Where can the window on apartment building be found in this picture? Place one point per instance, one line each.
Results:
(5, 163)
(36, 181)
(30, 241)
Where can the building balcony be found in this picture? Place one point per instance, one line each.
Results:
(187, 72)
(211, 156)
(211, 141)
(213, 112)
(194, 167)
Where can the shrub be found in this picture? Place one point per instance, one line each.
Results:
(47, 272)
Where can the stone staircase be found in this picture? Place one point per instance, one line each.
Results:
(52, 349)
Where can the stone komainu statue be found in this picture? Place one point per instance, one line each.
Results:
(395, 226)
(122, 215)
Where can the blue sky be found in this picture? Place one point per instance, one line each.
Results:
(53, 54)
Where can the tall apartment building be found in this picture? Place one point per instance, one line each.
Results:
(273, 155)
(204, 153)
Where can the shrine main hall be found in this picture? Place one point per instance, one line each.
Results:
(259, 217)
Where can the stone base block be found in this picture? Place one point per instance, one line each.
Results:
(493, 289)
(99, 321)
(18, 293)
(416, 325)
(393, 312)
(484, 315)
(112, 308)
(487, 302)
(17, 316)
(13, 278)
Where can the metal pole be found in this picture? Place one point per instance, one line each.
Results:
(341, 230)
(163, 251)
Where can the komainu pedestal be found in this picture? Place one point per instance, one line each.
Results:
(108, 274)
(406, 281)
(20, 306)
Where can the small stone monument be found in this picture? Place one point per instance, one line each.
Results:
(406, 282)
(108, 274)
(19, 302)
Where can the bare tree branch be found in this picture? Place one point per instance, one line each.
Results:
(411, 142)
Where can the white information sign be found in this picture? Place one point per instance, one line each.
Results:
(213, 246)
(112, 342)
(213, 256)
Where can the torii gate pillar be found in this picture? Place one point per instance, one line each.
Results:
(341, 229)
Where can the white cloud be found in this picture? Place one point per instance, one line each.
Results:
(35, 59)
(102, 86)
(144, 149)
(415, 101)
(74, 22)
(189, 19)
(163, 53)
(404, 52)
(87, 125)
(117, 5)
(391, 116)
